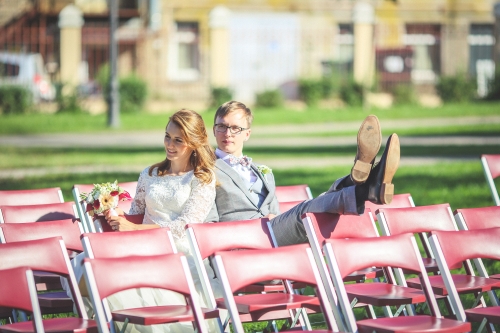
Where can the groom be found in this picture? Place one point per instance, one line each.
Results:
(245, 191)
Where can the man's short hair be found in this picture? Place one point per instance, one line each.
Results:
(232, 106)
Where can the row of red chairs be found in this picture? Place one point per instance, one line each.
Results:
(210, 239)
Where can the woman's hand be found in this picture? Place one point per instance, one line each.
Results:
(119, 223)
(119, 211)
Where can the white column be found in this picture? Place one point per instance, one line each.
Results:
(219, 46)
(364, 51)
(70, 25)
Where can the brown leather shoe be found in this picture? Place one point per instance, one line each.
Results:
(369, 141)
(380, 187)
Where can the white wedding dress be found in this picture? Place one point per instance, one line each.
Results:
(169, 201)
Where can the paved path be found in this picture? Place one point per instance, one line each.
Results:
(259, 139)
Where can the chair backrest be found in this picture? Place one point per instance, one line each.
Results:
(48, 255)
(345, 256)
(293, 193)
(241, 268)
(419, 220)
(398, 201)
(287, 205)
(37, 213)
(131, 243)
(458, 246)
(15, 289)
(108, 276)
(69, 230)
(478, 218)
(246, 234)
(394, 221)
(491, 168)
(31, 197)
(332, 226)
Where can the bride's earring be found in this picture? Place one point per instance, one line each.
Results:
(194, 153)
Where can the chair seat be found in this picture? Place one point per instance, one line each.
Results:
(272, 302)
(55, 325)
(381, 294)
(492, 313)
(495, 276)
(47, 281)
(430, 264)
(408, 324)
(364, 274)
(160, 314)
(463, 283)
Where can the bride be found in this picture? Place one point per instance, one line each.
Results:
(172, 193)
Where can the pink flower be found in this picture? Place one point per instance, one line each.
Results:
(114, 193)
(124, 196)
(97, 204)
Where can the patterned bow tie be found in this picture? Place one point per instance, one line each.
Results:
(244, 160)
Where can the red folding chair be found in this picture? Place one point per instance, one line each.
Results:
(456, 247)
(48, 254)
(107, 276)
(38, 213)
(345, 256)
(422, 220)
(207, 238)
(320, 227)
(52, 300)
(293, 193)
(140, 243)
(238, 269)
(491, 167)
(478, 218)
(31, 197)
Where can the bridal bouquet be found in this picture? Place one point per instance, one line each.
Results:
(103, 197)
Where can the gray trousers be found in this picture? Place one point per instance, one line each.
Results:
(288, 227)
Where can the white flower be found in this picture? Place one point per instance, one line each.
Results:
(264, 169)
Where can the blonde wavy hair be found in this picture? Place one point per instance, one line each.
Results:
(195, 136)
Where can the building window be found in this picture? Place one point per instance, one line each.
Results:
(184, 55)
(424, 40)
(343, 57)
(481, 64)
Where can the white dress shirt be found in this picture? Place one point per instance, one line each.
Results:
(246, 173)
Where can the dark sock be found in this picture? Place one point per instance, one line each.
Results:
(361, 193)
(347, 182)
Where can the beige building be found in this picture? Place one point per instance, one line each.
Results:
(184, 48)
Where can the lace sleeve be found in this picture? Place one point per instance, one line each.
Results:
(138, 205)
(196, 209)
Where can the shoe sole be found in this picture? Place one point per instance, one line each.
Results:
(391, 166)
(369, 141)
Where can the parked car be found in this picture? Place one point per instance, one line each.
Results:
(27, 69)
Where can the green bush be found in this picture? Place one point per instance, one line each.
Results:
(311, 91)
(404, 94)
(132, 89)
(68, 103)
(494, 86)
(269, 99)
(15, 99)
(220, 95)
(352, 93)
(133, 92)
(457, 88)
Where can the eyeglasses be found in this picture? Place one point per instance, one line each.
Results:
(221, 128)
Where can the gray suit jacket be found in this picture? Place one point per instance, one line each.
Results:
(234, 202)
